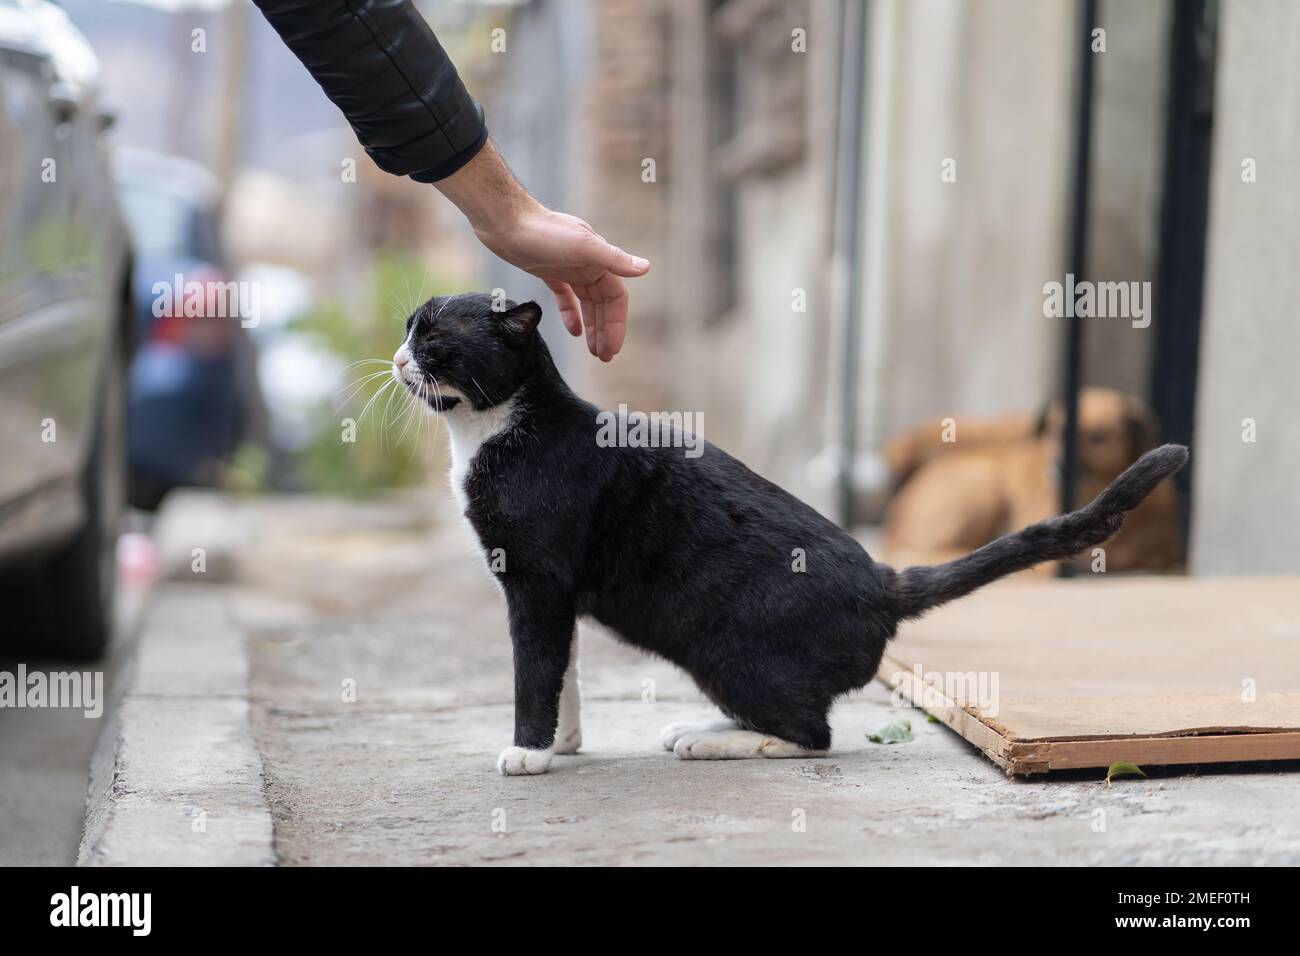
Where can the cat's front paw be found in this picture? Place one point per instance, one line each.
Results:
(517, 761)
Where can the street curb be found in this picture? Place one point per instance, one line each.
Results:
(176, 779)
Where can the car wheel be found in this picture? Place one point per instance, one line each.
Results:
(75, 595)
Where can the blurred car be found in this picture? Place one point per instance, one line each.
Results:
(64, 338)
(192, 390)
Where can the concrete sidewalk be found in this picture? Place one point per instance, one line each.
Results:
(379, 685)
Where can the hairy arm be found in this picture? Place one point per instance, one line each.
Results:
(379, 62)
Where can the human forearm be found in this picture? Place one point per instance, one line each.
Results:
(379, 63)
(487, 193)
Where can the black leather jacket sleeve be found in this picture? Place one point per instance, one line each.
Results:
(379, 62)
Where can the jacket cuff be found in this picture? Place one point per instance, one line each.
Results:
(453, 163)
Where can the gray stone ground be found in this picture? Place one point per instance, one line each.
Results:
(391, 597)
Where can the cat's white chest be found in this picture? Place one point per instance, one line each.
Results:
(469, 430)
(461, 458)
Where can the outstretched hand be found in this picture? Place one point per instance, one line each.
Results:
(583, 271)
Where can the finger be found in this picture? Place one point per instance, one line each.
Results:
(602, 345)
(619, 262)
(567, 303)
(596, 293)
(614, 301)
(588, 317)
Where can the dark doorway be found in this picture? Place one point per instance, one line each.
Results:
(1183, 216)
(1184, 210)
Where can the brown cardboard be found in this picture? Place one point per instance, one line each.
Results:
(1093, 670)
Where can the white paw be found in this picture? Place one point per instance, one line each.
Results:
(516, 761)
(669, 736)
(674, 732)
(567, 741)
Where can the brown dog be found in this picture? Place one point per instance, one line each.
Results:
(994, 475)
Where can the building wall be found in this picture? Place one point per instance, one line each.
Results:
(530, 117)
(954, 273)
(579, 105)
(1128, 134)
(1246, 509)
(753, 363)
(952, 321)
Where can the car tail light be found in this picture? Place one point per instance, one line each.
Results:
(201, 316)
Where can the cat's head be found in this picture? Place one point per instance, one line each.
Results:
(458, 351)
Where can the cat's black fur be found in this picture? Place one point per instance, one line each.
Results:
(692, 559)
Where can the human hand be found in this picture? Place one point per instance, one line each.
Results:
(583, 271)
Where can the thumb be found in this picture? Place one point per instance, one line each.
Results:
(619, 262)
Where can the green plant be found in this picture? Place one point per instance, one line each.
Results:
(355, 449)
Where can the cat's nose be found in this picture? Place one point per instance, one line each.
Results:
(401, 359)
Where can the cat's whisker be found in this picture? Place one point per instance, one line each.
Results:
(403, 411)
(365, 378)
(394, 303)
(420, 406)
(379, 391)
(424, 413)
(438, 424)
(383, 421)
(372, 361)
(356, 387)
(427, 410)
(424, 280)
(440, 308)
(373, 398)
(406, 283)
(412, 409)
(395, 300)
(480, 390)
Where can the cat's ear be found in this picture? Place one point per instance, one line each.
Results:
(520, 322)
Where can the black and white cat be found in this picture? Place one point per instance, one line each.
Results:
(689, 558)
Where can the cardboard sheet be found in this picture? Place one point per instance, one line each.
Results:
(1047, 675)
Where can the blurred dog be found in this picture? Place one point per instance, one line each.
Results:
(996, 475)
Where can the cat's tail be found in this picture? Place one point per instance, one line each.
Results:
(916, 590)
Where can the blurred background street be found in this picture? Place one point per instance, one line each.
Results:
(810, 333)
